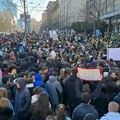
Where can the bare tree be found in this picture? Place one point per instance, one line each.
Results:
(98, 8)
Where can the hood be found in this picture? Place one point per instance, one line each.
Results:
(5, 113)
(21, 82)
(52, 78)
(38, 77)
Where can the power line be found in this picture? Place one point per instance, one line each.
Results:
(13, 5)
(42, 5)
(35, 7)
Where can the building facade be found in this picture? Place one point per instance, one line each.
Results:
(34, 25)
(55, 16)
(105, 10)
(8, 14)
(71, 11)
(49, 14)
(44, 19)
(62, 13)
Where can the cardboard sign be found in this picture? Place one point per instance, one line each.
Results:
(113, 53)
(89, 74)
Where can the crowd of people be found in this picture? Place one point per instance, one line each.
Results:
(39, 80)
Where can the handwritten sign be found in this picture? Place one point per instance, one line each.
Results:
(89, 74)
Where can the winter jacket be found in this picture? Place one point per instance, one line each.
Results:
(8, 90)
(117, 98)
(111, 116)
(53, 86)
(101, 104)
(22, 100)
(38, 81)
(70, 92)
(6, 114)
(81, 110)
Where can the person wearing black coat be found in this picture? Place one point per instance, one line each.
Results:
(70, 92)
(6, 84)
(5, 112)
(22, 100)
(102, 101)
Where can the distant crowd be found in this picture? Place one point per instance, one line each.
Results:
(39, 80)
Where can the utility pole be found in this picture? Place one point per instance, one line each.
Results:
(25, 18)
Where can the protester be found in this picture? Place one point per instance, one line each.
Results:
(84, 108)
(22, 100)
(5, 112)
(61, 112)
(113, 113)
(38, 78)
(41, 109)
(54, 90)
(102, 101)
(36, 57)
(4, 94)
(6, 84)
(37, 91)
(12, 72)
(70, 92)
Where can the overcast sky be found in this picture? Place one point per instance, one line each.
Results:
(37, 11)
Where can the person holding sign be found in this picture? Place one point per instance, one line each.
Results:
(80, 84)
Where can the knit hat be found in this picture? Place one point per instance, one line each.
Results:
(90, 116)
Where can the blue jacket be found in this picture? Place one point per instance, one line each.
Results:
(22, 99)
(82, 109)
(53, 86)
(38, 80)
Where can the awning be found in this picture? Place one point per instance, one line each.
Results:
(110, 15)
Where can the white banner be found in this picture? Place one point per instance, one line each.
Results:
(53, 34)
(89, 74)
(113, 53)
